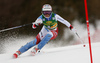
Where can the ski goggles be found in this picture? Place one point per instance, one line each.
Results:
(47, 12)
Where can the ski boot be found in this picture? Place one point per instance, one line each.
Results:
(15, 55)
(35, 50)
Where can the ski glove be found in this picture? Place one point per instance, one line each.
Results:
(34, 26)
(36, 23)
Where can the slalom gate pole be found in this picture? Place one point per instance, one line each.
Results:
(14, 27)
(87, 21)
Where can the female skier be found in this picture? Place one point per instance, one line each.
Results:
(48, 32)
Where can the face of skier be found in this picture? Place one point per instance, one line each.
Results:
(47, 13)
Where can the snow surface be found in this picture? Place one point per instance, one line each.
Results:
(68, 54)
(54, 53)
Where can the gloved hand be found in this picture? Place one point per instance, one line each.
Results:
(34, 26)
(36, 23)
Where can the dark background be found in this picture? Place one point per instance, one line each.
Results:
(19, 12)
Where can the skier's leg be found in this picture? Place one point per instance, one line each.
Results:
(30, 44)
(44, 41)
(41, 44)
(27, 46)
(45, 36)
(55, 33)
(24, 48)
(50, 35)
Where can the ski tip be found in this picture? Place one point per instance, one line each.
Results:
(84, 45)
(15, 55)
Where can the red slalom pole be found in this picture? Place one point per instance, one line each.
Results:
(87, 21)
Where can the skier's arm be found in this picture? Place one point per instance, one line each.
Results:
(37, 23)
(60, 19)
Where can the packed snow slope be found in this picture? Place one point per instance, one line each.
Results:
(68, 54)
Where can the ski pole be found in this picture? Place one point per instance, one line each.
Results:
(80, 39)
(15, 27)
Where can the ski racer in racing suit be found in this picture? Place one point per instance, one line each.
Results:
(48, 32)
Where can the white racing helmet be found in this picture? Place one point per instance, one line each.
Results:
(46, 7)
